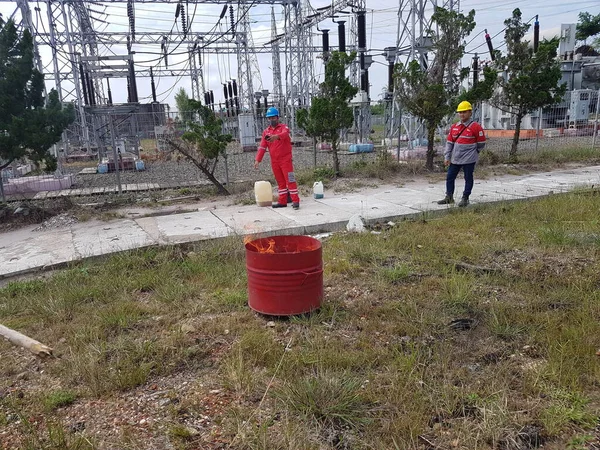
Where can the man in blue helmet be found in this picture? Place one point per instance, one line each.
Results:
(276, 137)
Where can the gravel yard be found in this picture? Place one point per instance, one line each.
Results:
(239, 167)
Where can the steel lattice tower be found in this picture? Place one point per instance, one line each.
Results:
(412, 43)
(196, 68)
(248, 70)
(297, 42)
(276, 57)
(78, 70)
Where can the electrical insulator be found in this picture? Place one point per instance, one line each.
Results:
(183, 20)
(230, 89)
(152, 85)
(536, 35)
(110, 102)
(177, 10)
(131, 16)
(489, 44)
(235, 90)
(232, 18)
(83, 85)
(342, 35)
(362, 30)
(91, 89)
(475, 70)
(212, 98)
(325, 44)
(163, 47)
(225, 91)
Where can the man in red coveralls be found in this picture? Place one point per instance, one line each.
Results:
(276, 137)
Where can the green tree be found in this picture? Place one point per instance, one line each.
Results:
(204, 143)
(329, 112)
(182, 100)
(378, 109)
(432, 93)
(530, 79)
(29, 123)
(588, 26)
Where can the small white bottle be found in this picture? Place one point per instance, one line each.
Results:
(318, 189)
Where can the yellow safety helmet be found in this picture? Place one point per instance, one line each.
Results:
(464, 106)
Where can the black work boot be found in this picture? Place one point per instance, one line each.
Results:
(295, 205)
(279, 205)
(463, 202)
(448, 200)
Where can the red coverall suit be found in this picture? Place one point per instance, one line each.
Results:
(281, 161)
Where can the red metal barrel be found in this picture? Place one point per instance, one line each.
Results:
(285, 275)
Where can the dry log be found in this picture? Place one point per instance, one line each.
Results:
(26, 342)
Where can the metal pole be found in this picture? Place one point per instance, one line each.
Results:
(115, 156)
(2, 189)
(537, 131)
(596, 121)
(314, 152)
(399, 133)
(226, 170)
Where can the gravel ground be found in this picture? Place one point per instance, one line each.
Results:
(239, 168)
(60, 221)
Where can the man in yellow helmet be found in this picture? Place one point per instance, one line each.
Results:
(465, 140)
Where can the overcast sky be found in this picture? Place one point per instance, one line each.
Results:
(382, 17)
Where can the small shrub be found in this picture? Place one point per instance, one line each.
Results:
(334, 400)
(58, 399)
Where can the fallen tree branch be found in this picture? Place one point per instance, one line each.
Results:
(26, 342)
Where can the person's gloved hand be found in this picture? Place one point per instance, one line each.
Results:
(446, 163)
(256, 163)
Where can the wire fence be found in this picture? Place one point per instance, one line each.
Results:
(137, 158)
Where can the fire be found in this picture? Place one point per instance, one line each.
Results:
(260, 245)
(280, 245)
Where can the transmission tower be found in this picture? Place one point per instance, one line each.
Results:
(277, 84)
(78, 71)
(248, 69)
(298, 62)
(196, 68)
(413, 43)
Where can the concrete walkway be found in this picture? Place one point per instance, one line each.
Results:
(25, 250)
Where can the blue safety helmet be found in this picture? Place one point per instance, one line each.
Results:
(272, 112)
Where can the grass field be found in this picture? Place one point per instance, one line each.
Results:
(476, 330)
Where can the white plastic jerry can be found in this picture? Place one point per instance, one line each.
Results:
(263, 192)
(318, 189)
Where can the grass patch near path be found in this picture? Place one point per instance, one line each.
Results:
(409, 349)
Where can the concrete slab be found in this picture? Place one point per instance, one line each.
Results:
(25, 250)
(22, 251)
(255, 219)
(40, 195)
(501, 187)
(98, 238)
(186, 227)
(413, 200)
(316, 217)
(370, 207)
